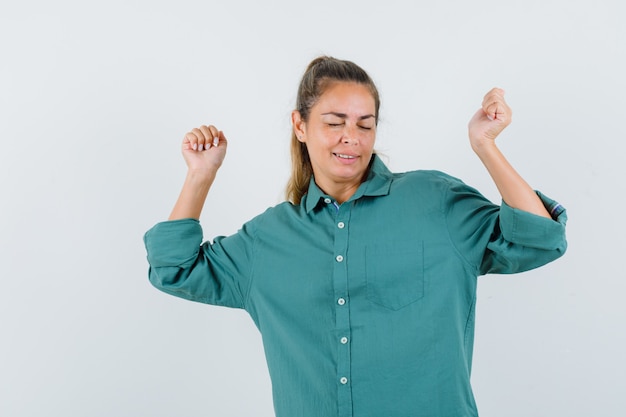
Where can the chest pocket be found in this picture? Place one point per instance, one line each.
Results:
(395, 274)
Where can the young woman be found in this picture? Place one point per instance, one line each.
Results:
(363, 283)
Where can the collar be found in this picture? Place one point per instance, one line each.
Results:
(377, 184)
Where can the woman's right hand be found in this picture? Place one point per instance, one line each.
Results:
(204, 149)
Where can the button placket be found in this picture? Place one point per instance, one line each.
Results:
(342, 307)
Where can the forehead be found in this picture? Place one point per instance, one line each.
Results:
(346, 97)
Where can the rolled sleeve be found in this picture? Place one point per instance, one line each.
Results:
(215, 273)
(527, 229)
(523, 241)
(501, 239)
(173, 243)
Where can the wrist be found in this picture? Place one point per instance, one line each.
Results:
(201, 176)
(484, 148)
(198, 182)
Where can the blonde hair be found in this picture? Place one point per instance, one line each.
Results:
(321, 72)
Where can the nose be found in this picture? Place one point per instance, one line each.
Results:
(350, 135)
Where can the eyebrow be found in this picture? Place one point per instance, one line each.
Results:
(345, 116)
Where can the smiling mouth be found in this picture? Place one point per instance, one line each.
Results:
(343, 156)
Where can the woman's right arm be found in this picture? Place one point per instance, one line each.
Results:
(213, 273)
(204, 149)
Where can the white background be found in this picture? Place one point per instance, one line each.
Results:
(94, 101)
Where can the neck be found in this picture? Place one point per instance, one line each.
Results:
(339, 191)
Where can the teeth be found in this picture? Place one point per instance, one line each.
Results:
(340, 155)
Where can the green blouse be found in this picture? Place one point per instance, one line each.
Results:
(365, 308)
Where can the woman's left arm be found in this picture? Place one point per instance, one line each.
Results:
(484, 127)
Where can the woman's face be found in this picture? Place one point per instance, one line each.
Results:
(339, 136)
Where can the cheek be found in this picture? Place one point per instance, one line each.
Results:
(326, 137)
(318, 143)
(369, 139)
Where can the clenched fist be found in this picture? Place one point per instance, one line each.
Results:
(490, 119)
(204, 148)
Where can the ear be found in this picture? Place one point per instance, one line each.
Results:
(298, 125)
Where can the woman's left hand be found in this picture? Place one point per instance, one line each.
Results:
(489, 120)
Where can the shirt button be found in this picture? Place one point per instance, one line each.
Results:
(343, 380)
(341, 225)
(344, 340)
(339, 258)
(327, 200)
(341, 301)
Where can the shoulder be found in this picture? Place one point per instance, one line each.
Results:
(275, 215)
(426, 180)
(431, 188)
